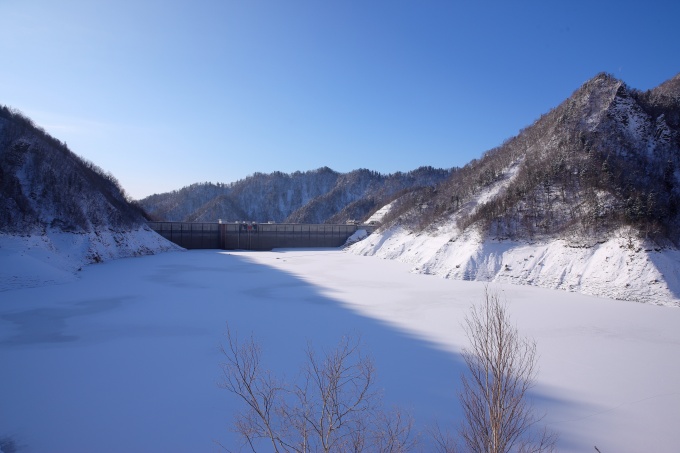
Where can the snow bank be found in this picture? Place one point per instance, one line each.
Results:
(356, 237)
(621, 268)
(56, 257)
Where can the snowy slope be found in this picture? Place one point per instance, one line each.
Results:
(57, 257)
(621, 268)
(59, 212)
(380, 214)
(569, 203)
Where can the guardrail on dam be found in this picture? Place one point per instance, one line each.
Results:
(254, 236)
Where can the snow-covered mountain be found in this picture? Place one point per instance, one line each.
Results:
(585, 199)
(58, 210)
(316, 196)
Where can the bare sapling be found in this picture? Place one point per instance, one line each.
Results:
(502, 368)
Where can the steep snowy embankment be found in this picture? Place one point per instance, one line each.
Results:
(620, 268)
(623, 267)
(56, 257)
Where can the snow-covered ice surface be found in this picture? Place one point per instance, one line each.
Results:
(125, 358)
(621, 268)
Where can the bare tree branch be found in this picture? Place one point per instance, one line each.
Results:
(444, 441)
(334, 407)
(498, 417)
(263, 395)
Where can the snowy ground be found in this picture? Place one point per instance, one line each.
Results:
(125, 357)
(622, 268)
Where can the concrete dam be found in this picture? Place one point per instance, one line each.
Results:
(255, 236)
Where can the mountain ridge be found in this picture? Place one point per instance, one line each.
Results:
(45, 185)
(58, 211)
(316, 196)
(585, 153)
(597, 174)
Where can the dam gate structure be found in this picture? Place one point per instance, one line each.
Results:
(255, 236)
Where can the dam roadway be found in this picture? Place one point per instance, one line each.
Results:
(256, 236)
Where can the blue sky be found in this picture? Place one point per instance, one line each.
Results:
(167, 93)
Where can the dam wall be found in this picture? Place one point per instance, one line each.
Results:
(254, 236)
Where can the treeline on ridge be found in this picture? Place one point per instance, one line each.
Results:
(606, 158)
(45, 185)
(316, 196)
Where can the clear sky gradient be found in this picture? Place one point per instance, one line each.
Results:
(167, 93)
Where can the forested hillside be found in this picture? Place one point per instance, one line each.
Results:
(585, 199)
(59, 212)
(606, 158)
(316, 196)
(44, 185)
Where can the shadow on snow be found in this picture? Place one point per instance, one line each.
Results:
(143, 358)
